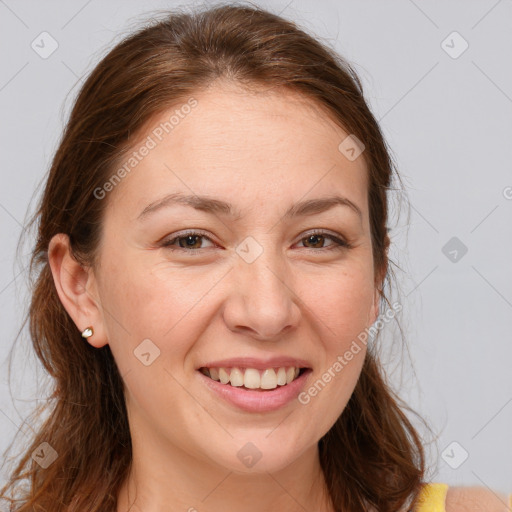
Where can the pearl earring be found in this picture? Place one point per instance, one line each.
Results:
(88, 332)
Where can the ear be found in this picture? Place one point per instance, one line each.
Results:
(375, 307)
(379, 282)
(76, 287)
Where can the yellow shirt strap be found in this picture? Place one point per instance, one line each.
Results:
(432, 498)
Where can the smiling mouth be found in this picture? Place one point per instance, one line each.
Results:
(253, 379)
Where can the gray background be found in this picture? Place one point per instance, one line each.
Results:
(447, 118)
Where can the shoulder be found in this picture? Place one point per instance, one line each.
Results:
(476, 499)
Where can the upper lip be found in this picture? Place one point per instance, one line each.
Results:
(257, 363)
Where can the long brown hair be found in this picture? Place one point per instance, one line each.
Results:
(372, 456)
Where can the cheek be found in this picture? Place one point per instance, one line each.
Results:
(341, 308)
(341, 300)
(341, 303)
(160, 302)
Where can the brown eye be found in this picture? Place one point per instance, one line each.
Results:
(316, 241)
(191, 240)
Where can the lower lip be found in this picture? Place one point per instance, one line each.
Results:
(257, 401)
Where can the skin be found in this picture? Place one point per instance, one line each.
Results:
(261, 151)
(477, 499)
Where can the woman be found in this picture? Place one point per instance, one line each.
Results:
(211, 258)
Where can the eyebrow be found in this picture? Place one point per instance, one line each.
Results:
(217, 206)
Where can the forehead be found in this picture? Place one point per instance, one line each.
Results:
(241, 144)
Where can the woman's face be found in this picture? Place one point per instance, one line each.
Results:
(250, 289)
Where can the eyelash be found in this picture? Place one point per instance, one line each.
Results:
(340, 244)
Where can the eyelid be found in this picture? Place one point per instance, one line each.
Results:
(182, 234)
(323, 231)
(340, 241)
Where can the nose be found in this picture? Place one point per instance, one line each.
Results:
(262, 300)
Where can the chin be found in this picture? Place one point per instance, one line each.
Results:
(258, 454)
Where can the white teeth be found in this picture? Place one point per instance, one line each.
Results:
(223, 376)
(269, 379)
(281, 376)
(252, 378)
(236, 377)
